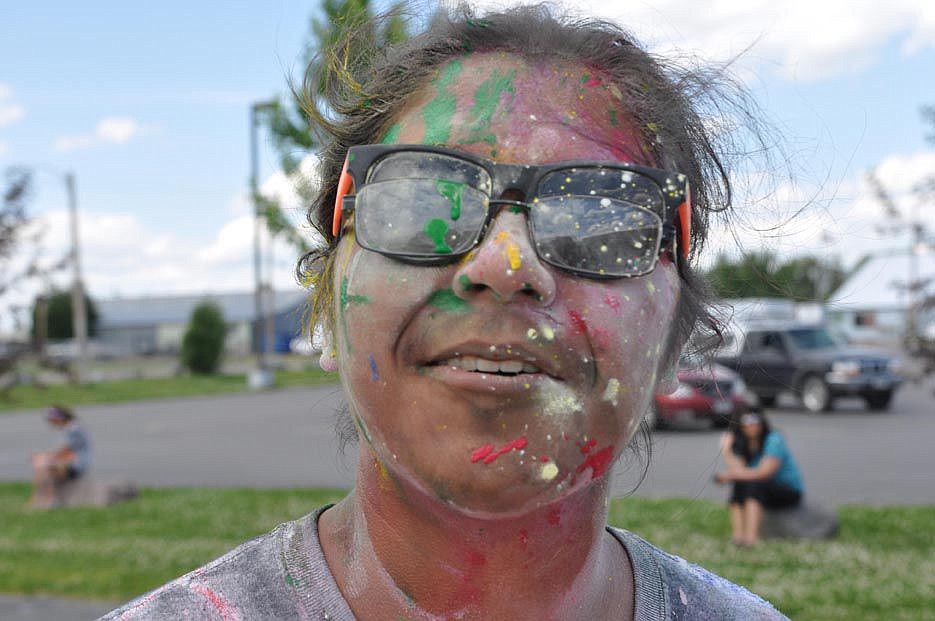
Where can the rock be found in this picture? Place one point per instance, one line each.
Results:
(805, 521)
(90, 492)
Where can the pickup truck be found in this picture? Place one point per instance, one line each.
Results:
(807, 360)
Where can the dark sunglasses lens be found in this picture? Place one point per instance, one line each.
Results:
(596, 235)
(419, 218)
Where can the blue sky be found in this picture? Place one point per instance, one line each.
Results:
(147, 104)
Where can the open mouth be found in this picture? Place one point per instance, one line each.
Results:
(475, 364)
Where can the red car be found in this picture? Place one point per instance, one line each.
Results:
(709, 392)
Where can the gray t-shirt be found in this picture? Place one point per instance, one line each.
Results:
(77, 440)
(283, 575)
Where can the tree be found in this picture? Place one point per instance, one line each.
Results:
(292, 136)
(59, 316)
(203, 343)
(761, 274)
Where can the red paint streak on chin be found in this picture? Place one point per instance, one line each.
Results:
(598, 462)
(601, 338)
(228, 612)
(587, 446)
(481, 453)
(488, 454)
(578, 325)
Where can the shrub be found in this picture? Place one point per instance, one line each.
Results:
(203, 343)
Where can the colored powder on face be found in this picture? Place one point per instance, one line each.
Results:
(451, 190)
(587, 446)
(373, 369)
(651, 287)
(438, 113)
(481, 453)
(523, 538)
(578, 325)
(347, 299)
(512, 250)
(392, 134)
(612, 391)
(548, 472)
(486, 101)
(291, 581)
(593, 82)
(613, 118)
(488, 454)
(532, 334)
(554, 518)
(465, 282)
(562, 402)
(436, 229)
(598, 462)
(516, 209)
(613, 302)
(548, 333)
(447, 300)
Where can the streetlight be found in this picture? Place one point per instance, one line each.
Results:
(261, 377)
(79, 316)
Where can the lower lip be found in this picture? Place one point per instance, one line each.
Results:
(487, 383)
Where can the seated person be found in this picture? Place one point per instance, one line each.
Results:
(70, 461)
(764, 474)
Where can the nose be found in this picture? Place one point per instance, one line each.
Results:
(505, 264)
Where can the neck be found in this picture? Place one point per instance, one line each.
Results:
(389, 545)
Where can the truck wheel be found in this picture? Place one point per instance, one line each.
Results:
(816, 397)
(879, 401)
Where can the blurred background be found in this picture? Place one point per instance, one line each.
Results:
(155, 170)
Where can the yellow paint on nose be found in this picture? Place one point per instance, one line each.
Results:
(513, 254)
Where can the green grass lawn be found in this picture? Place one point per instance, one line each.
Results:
(28, 397)
(882, 565)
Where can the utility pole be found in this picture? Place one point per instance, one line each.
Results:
(79, 316)
(261, 377)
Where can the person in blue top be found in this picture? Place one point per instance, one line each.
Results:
(70, 461)
(763, 472)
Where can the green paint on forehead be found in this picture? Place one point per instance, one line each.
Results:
(486, 102)
(439, 112)
(447, 300)
(392, 134)
(436, 229)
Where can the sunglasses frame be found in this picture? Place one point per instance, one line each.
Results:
(504, 177)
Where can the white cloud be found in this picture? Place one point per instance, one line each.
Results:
(797, 38)
(10, 111)
(110, 130)
(845, 220)
(4, 148)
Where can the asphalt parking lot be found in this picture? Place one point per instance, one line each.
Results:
(286, 438)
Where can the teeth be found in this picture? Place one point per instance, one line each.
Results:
(473, 363)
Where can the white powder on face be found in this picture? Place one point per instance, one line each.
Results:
(560, 401)
(612, 390)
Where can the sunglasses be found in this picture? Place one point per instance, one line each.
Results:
(432, 205)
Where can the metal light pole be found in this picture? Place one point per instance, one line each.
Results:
(261, 377)
(79, 316)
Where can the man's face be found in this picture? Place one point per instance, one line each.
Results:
(499, 383)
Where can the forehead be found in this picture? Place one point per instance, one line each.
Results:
(516, 110)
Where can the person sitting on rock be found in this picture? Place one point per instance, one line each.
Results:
(764, 474)
(70, 461)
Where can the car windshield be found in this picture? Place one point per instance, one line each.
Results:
(812, 338)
